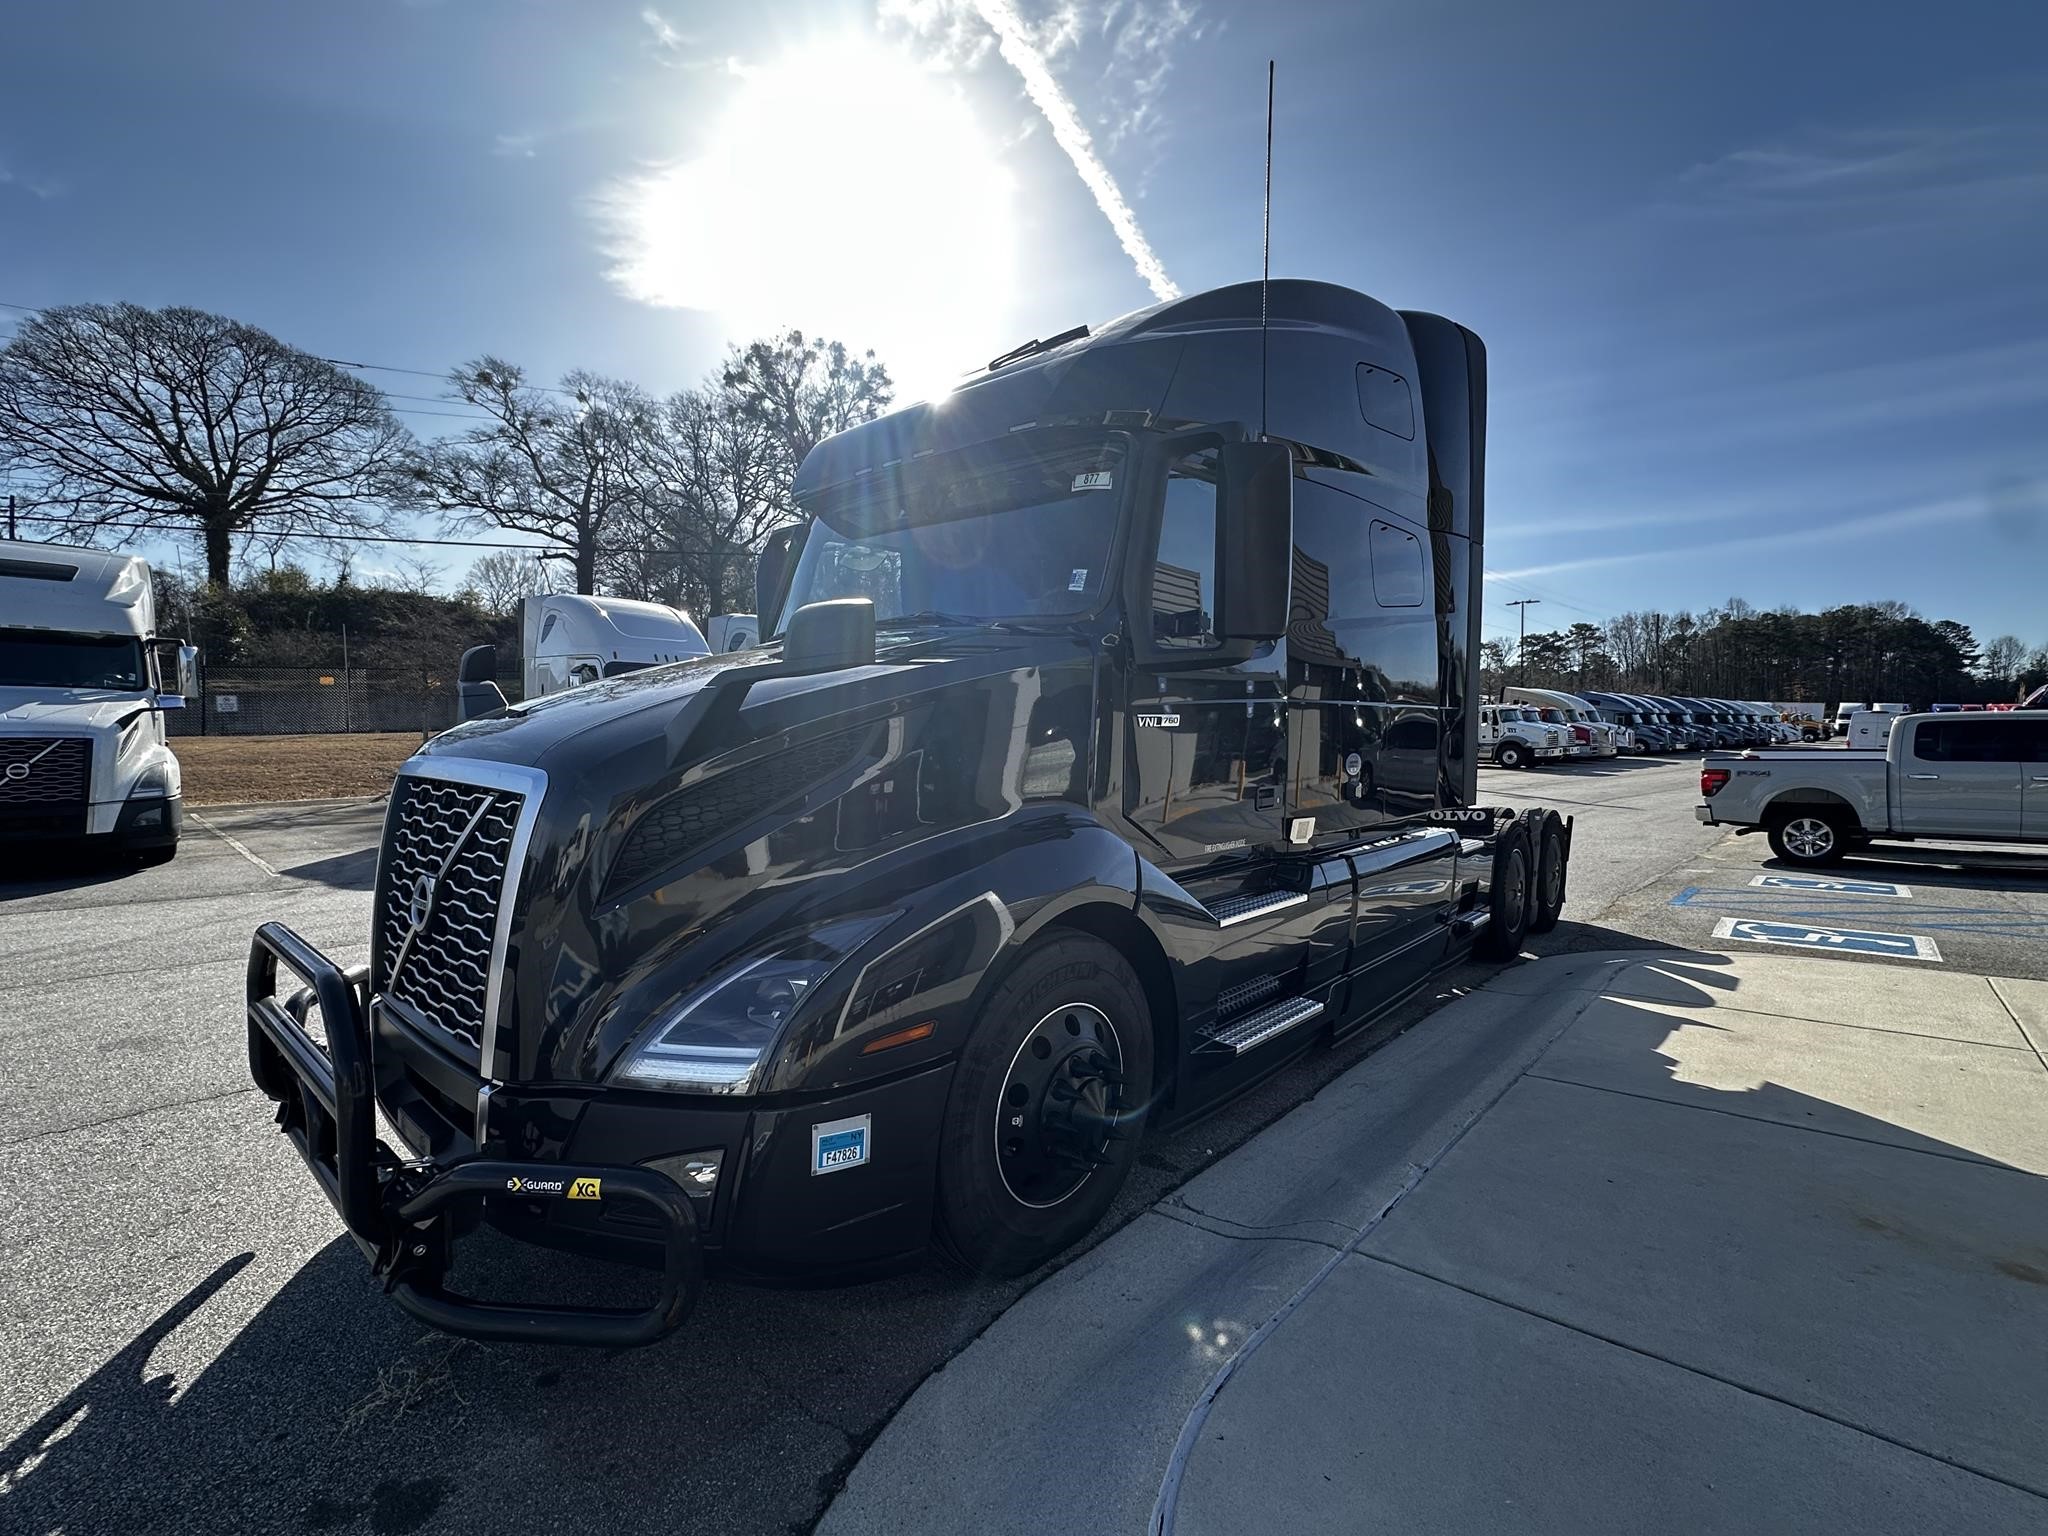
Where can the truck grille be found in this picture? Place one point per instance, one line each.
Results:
(447, 863)
(43, 771)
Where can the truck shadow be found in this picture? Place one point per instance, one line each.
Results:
(329, 1410)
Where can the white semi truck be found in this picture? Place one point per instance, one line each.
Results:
(567, 640)
(84, 681)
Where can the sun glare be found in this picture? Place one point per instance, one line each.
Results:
(847, 192)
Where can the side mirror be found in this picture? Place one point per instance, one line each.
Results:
(1254, 539)
(824, 637)
(476, 683)
(184, 660)
(771, 572)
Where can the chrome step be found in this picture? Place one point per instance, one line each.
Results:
(1245, 994)
(1232, 910)
(1257, 1028)
(1465, 924)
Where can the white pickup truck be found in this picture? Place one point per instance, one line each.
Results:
(1950, 777)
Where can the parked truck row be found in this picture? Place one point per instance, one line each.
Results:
(1539, 725)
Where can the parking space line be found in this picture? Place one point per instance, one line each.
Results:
(1839, 941)
(233, 842)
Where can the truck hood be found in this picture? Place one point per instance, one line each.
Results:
(26, 710)
(684, 825)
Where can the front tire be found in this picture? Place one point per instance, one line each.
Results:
(1511, 754)
(1043, 1121)
(1810, 839)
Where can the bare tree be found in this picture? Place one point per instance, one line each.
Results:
(714, 481)
(501, 579)
(2002, 659)
(802, 390)
(559, 465)
(180, 420)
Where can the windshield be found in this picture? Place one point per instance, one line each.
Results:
(42, 659)
(988, 533)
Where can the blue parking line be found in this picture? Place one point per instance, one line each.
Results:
(1768, 906)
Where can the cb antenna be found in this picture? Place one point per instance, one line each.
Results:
(1266, 248)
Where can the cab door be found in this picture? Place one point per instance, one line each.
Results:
(2034, 798)
(1963, 777)
(1206, 723)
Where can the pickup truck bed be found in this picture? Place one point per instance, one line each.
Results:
(1952, 777)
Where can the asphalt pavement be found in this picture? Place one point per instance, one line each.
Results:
(196, 1347)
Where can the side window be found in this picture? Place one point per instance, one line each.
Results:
(1384, 401)
(1184, 574)
(1398, 578)
(1969, 741)
(2033, 740)
(548, 628)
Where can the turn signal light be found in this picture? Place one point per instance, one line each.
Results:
(908, 1036)
(1711, 779)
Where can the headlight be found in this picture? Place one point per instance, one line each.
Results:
(153, 780)
(713, 1040)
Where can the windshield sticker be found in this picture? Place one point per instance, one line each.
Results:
(1078, 582)
(1095, 480)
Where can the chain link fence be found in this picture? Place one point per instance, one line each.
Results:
(301, 701)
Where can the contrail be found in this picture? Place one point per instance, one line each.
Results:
(1044, 91)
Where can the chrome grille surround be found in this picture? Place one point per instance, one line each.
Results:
(447, 884)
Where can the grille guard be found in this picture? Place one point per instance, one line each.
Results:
(397, 1210)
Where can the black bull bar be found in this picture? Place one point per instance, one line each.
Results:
(400, 1211)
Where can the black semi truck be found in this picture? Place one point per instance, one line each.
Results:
(1115, 743)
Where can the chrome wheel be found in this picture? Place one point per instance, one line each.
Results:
(1809, 837)
(1061, 1103)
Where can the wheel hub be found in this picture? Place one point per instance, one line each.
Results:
(1060, 1106)
(1809, 836)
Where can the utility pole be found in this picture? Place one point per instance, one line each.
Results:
(1522, 645)
(10, 515)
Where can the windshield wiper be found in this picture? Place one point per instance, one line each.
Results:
(928, 617)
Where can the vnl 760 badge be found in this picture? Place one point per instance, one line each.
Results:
(837, 1145)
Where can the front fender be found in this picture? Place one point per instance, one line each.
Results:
(966, 909)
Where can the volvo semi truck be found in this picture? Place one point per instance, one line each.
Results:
(84, 682)
(1111, 742)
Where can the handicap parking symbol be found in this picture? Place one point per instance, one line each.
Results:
(1841, 941)
(1832, 887)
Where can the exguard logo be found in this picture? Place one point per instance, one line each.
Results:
(519, 1186)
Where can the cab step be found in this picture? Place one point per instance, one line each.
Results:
(1229, 911)
(1240, 1035)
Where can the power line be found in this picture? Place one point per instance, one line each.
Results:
(338, 538)
(342, 362)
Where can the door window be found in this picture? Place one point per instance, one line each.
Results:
(1398, 578)
(1184, 573)
(1970, 741)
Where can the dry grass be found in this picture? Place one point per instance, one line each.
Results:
(225, 769)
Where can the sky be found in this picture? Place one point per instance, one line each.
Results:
(1762, 285)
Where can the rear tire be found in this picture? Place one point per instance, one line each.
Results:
(1511, 754)
(1549, 892)
(1510, 893)
(1810, 839)
(1039, 1134)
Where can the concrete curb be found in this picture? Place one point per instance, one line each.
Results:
(987, 1443)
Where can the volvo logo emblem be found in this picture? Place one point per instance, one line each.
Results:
(16, 772)
(422, 903)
